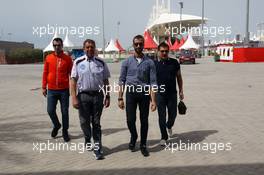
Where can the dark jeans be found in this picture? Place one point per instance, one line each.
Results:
(132, 100)
(90, 111)
(53, 97)
(166, 101)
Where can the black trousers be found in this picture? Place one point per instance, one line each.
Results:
(90, 111)
(134, 99)
(166, 101)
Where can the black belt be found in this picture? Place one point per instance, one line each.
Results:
(92, 93)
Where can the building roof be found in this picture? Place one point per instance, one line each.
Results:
(167, 18)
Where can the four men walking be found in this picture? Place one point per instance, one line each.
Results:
(143, 81)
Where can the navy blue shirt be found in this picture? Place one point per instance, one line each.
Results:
(135, 73)
(166, 74)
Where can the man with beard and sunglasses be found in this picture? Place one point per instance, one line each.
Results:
(55, 85)
(138, 78)
(168, 71)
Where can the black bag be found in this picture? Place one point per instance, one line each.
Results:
(182, 108)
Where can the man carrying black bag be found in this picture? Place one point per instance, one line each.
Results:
(168, 70)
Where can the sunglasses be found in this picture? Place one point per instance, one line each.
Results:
(56, 45)
(138, 44)
(89, 47)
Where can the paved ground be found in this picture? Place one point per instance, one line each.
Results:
(225, 105)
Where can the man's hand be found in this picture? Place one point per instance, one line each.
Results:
(107, 102)
(153, 106)
(44, 92)
(181, 95)
(75, 102)
(121, 104)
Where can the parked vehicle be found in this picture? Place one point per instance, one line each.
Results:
(187, 56)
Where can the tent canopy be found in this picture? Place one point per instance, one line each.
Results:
(169, 42)
(118, 45)
(67, 43)
(50, 46)
(177, 45)
(111, 47)
(189, 43)
(155, 40)
(149, 42)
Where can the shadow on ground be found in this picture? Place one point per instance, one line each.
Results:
(232, 169)
(187, 137)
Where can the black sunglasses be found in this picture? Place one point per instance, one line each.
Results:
(140, 44)
(164, 51)
(57, 45)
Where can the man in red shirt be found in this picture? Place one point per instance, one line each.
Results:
(55, 85)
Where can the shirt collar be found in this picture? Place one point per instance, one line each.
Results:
(87, 59)
(59, 55)
(166, 59)
(144, 57)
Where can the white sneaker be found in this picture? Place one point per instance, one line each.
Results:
(162, 142)
(170, 132)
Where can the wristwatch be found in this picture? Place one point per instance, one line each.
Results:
(120, 99)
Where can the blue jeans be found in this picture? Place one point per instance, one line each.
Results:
(53, 97)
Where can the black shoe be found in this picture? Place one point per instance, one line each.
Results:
(98, 155)
(54, 131)
(65, 136)
(144, 151)
(132, 147)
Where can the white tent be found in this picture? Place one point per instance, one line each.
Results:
(155, 40)
(50, 46)
(254, 38)
(215, 43)
(189, 44)
(67, 43)
(111, 47)
(234, 41)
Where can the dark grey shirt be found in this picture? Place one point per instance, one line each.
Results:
(135, 73)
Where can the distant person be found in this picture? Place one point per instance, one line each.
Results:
(137, 73)
(89, 76)
(168, 70)
(55, 85)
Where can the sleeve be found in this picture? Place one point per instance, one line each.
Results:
(45, 74)
(153, 74)
(74, 72)
(106, 72)
(123, 73)
(70, 65)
